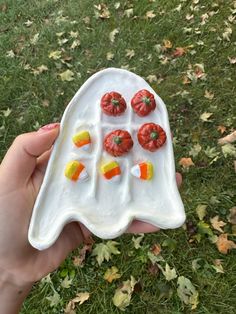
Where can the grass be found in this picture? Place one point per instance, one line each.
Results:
(35, 100)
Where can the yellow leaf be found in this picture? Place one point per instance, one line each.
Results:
(109, 56)
(232, 60)
(130, 53)
(111, 274)
(75, 44)
(150, 14)
(205, 116)
(186, 162)
(122, 296)
(217, 224)
(209, 95)
(152, 78)
(113, 34)
(129, 12)
(224, 245)
(169, 273)
(55, 55)
(167, 43)
(80, 298)
(201, 211)
(67, 75)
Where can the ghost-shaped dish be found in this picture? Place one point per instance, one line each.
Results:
(84, 183)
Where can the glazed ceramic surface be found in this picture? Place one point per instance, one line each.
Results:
(106, 207)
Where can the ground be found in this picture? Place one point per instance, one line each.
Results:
(187, 51)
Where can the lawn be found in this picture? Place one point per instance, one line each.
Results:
(186, 50)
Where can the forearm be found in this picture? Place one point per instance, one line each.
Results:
(12, 294)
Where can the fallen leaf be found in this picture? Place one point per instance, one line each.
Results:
(74, 34)
(109, 56)
(10, 54)
(104, 251)
(102, 11)
(117, 5)
(217, 224)
(232, 215)
(206, 116)
(113, 34)
(42, 68)
(153, 269)
(111, 274)
(79, 260)
(130, 53)
(7, 112)
(28, 23)
(76, 43)
(228, 150)
(218, 266)
(54, 299)
(167, 44)
(221, 129)
(209, 95)
(179, 52)
(80, 298)
(171, 244)
(122, 296)
(137, 241)
(35, 39)
(55, 55)
(169, 273)
(45, 103)
(187, 292)
(195, 150)
(129, 12)
(152, 78)
(66, 283)
(230, 138)
(150, 14)
(201, 211)
(67, 75)
(232, 60)
(156, 249)
(186, 162)
(227, 33)
(224, 245)
(204, 228)
(86, 20)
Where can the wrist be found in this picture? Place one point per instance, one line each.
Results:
(12, 293)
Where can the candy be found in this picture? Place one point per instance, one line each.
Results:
(75, 170)
(111, 170)
(82, 139)
(143, 170)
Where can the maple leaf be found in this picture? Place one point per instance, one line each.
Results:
(227, 33)
(113, 34)
(74, 34)
(75, 44)
(217, 224)
(218, 266)
(169, 273)
(80, 298)
(186, 162)
(209, 95)
(79, 260)
(224, 245)
(137, 241)
(152, 78)
(10, 54)
(167, 44)
(187, 292)
(104, 251)
(232, 60)
(195, 150)
(111, 274)
(67, 75)
(129, 12)
(55, 55)
(221, 129)
(42, 68)
(201, 211)
(66, 283)
(28, 23)
(179, 52)
(122, 296)
(230, 138)
(35, 39)
(54, 299)
(205, 116)
(102, 11)
(7, 112)
(228, 150)
(130, 53)
(156, 249)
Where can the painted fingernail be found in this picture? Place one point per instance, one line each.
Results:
(49, 127)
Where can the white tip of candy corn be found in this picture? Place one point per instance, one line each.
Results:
(135, 171)
(86, 147)
(83, 175)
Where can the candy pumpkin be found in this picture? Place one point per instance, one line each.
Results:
(151, 136)
(118, 142)
(113, 104)
(143, 102)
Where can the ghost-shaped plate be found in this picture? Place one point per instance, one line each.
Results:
(106, 207)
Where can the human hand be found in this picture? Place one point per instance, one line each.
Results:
(21, 174)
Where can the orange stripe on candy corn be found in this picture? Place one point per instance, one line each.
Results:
(113, 172)
(77, 172)
(82, 143)
(143, 170)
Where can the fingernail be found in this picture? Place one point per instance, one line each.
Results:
(49, 127)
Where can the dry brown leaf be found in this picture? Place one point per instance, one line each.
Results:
(186, 162)
(186, 80)
(221, 129)
(45, 103)
(209, 95)
(224, 245)
(232, 215)
(230, 138)
(79, 260)
(3, 7)
(80, 298)
(217, 224)
(156, 249)
(129, 53)
(179, 52)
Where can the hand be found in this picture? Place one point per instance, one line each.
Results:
(21, 174)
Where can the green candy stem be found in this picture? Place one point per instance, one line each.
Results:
(146, 100)
(117, 140)
(154, 135)
(115, 102)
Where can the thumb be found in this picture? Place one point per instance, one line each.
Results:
(21, 158)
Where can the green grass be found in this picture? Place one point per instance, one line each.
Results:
(25, 93)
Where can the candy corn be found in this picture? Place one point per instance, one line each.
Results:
(82, 139)
(110, 170)
(143, 170)
(75, 170)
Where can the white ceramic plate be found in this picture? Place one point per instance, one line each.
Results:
(106, 208)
